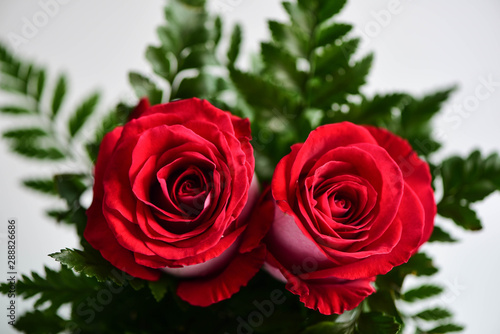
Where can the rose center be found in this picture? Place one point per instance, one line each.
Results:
(188, 190)
(339, 205)
(191, 186)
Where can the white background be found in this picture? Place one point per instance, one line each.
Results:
(420, 46)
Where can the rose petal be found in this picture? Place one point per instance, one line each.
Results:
(411, 216)
(291, 246)
(97, 232)
(210, 290)
(415, 172)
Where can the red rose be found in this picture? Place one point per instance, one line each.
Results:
(173, 191)
(352, 203)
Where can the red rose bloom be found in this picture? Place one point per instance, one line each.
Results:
(173, 191)
(352, 203)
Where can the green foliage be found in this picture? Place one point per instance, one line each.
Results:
(440, 235)
(82, 114)
(160, 287)
(54, 136)
(377, 323)
(45, 186)
(144, 87)
(306, 68)
(422, 292)
(31, 149)
(45, 139)
(389, 291)
(59, 95)
(21, 78)
(188, 48)
(108, 122)
(326, 327)
(362, 323)
(420, 265)
(25, 133)
(404, 115)
(234, 46)
(40, 322)
(434, 314)
(56, 288)
(91, 264)
(466, 181)
(416, 119)
(70, 188)
(14, 110)
(378, 110)
(441, 329)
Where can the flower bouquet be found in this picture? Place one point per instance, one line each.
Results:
(270, 198)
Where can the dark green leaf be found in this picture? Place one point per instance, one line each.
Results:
(234, 46)
(261, 92)
(377, 110)
(334, 57)
(419, 264)
(91, 264)
(328, 9)
(160, 287)
(339, 85)
(57, 214)
(331, 33)
(196, 58)
(137, 284)
(462, 215)
(40, 322)
(384, 301)
(282, 65)
(159, 60)
(472, 178)
(202, 86)
(434, 314)
(70, 187)
(440, 235)
(82, 113)
(421, 111)
(57, 287)
(59, 95)
(30, 79)
(74, 216)
(290, 38)
(422, 292)
(25, 134)
(40, 84)
(44, 186)
(115, 118)
(14, 110)
(14, 86)
(144, 87)
(30, 150)
(449, 328)
(217, 31)
(377, 323)
(300, 17)
(359, 72)
(326, 327)
(170, 40)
